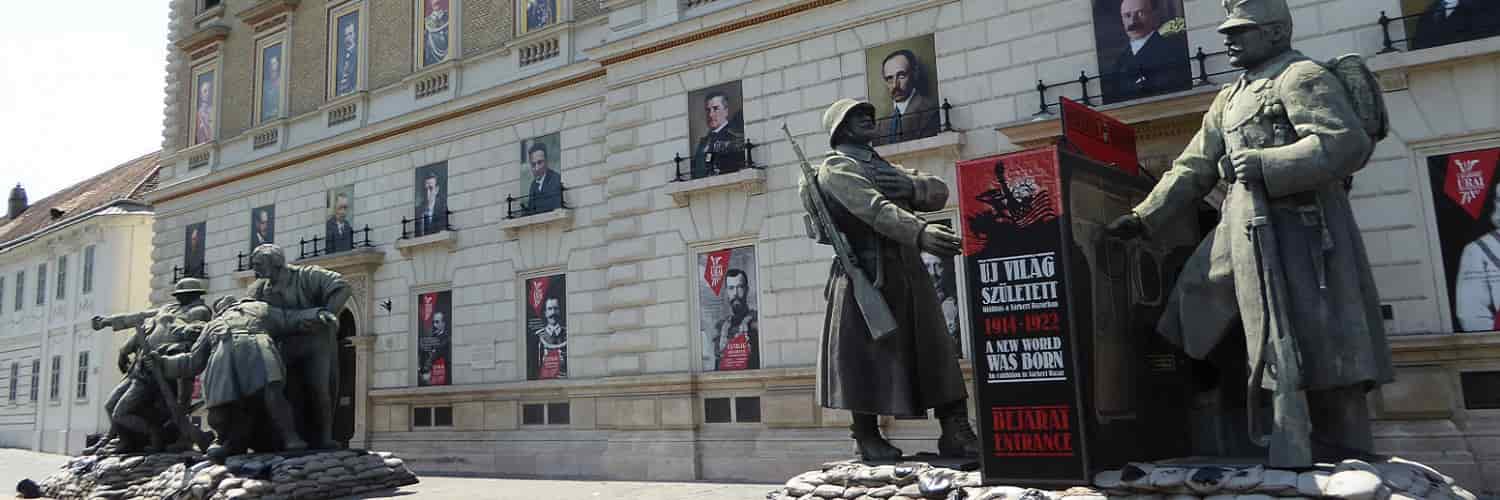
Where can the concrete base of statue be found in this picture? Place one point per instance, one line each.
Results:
(191, 476)
(1392, 479)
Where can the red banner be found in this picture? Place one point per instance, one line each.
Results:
(439, 375)
(1099, 137)
(737, 353)
(713, 271)
(538, 294)
(1018, 188)
(1468, 179)
(551, 364)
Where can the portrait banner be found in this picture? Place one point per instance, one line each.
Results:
(1468, 225)
(193, 251)
(338, 219)
(546, 327)
(902, 81)
(539, 14)
(1015, 244)
(270, 82)
(727, 309)
(945, 282)
(541, 187)
(262, 226)
(716, 125)
(1142, 48)
(434, 338)
(431, 200)
(203, 108)
(434, 31)
(1434, 23)
(346, 53)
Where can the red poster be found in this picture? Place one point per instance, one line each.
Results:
(439, 372)
(713, 272)
(551, 364)
(429, 300)
(737, 353)
(1099, 136)
(538, 294)
(1017, 189)
(1468, 178)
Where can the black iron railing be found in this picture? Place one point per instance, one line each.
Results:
(415, 227)
(522, 206)
(914, 125)
(715, 164)
(1464, 26)
(180, 272)
(1201, 76)
(241, 262)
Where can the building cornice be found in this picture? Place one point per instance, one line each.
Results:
(1142, 113)
(642, 45)
(202, 38)
(72, 221)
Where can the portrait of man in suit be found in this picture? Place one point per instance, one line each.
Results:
(270, 83)
(1452, 21)
(338, 230)
(540, 14)
(914, 114)
(346, 58)
(720, 147)
(262, 226)
(193, 248)
(544, 192)
(432, 199)
(1146, 61)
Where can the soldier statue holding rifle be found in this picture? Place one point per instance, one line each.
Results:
(1286, 259)
(885, 348)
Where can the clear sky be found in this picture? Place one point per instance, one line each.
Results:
(80, 91)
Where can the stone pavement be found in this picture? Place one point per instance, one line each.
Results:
(16, 465)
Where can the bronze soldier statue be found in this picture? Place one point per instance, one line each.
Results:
(133, 406)
(1283, 139)
(914, 365)
(311, 355)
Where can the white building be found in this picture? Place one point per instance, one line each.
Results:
(81, 252)
(368, 99)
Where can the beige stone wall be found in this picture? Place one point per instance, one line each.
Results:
(390, 42)
(587, 9)
(486, 25)
(237, 79)
(309, 70)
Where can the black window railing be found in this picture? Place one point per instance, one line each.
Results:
(913, 125)
(711, 164)
(318, 246)
(1200, 76)
(198, 271)
(1437, 27)
(522, 206)
(241, 262)
(423, 226)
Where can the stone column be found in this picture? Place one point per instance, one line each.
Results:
(364, 357)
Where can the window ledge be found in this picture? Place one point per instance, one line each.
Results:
(949, 142)
(1044, 129)
(365, 259)
(1433, 56)
(750, 180)
(445, 240)
(243, 277)
(561, 216)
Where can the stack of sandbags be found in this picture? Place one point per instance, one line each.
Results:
(90, 477)
(316, 475)
(1395, 479)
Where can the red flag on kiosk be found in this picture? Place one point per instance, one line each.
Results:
(1099, 137)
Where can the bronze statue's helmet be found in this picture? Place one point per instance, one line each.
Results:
(840, 109)
(1255, 13)
(189, 285)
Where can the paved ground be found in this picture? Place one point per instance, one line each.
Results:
(16, 465)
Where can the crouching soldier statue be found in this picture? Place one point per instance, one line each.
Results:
(136, 410)
(243, 376)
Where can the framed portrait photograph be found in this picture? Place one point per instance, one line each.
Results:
(338, 219)
(1142, 48)
(535, 15)
(716, 124)
(902, 80)
(262, 226)
(1468, 223)
(205, 112)
(1435, 23)
(541, 174)
(344, 49)
(432, 26)
(272, 73)
(430, 206)
(944, 275)
(193, 249)
(728, 321)
(434, 338)
(546, 327)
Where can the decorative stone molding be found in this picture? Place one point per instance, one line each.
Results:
(538, 51)
(208, 16)
(561, 216)
(266, 138)
(435, 80)
(207, 38)
(441, 240)
(430, 86)
(751, 181)
(266, 15)
(1044, 130)
(357, 261)
(200, 156)
(948, 143)
(343, 113)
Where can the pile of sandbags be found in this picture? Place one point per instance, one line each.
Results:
(327, 474)
(110, 477)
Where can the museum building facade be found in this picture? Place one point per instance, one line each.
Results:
(573, 230)
(78, 253)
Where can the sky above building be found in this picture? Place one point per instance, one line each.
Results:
(80, 88)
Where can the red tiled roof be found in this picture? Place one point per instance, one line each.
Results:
(128, 181)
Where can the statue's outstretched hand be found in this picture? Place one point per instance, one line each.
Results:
(97, 322)
(1128, 226)
(939, 240)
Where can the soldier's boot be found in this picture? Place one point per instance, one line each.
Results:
(958, 439)
(872, 446)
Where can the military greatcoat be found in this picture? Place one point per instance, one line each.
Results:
(1296, 116)
(916, 367)
(236, 352)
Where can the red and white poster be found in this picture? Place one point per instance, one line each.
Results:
(434, 338)
(1468, 225)
(727, 306)
(546, 328)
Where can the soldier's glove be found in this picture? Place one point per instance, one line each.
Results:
(1247, 166)
(938, 240)
(894, 184)
(98, 322)
(1128, 226)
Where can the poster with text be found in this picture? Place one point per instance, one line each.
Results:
(1464, 195)
(727, 305)
(1014, 249)
(1142, 47)
(945, 282)
(546, 327)
(435, 338)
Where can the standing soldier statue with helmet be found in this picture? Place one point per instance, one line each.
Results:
(1286, 259)
(132, 407)
(885, 348)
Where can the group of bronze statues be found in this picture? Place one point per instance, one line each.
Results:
(1285, 265)
(268, 364)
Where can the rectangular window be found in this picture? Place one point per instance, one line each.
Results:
(442, 416)
(83, 375)
(2, 295)
(88, 269)
(1481, 390)
(533, 414)
(53, 391)
(36, 378)
(716, 411)
(15, 376)
(432, 416)
(421, 417)
(204, 5)
(345, 57)
(62, 277)
(41, 284)
(557, 413)
(20, 289)
(727, 410)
